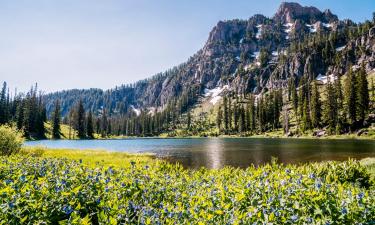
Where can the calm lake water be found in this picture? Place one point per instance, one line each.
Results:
(219, 152)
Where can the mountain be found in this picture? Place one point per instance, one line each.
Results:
(241, 57)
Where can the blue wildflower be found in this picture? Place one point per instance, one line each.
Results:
(8, 181)
(23, 178)
(360, 196)
(67, 210)
(294, 218)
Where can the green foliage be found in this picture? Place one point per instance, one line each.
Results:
(11, 140)
(350, 96)
(80, 120)
(56, 119)
(362, 94)
(26, 111)
(90, 126)
(77, 190)
(316, 106)
(330, 108)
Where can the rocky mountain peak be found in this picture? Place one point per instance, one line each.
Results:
(288, 12)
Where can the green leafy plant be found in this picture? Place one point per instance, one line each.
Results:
(11, 140)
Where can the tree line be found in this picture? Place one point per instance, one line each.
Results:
(26, 111)
(340, 108)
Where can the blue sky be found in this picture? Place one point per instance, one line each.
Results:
(94, 43)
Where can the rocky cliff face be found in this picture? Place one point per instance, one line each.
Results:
(290, 12)
(248, 56)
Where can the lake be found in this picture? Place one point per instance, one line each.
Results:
(219, 152)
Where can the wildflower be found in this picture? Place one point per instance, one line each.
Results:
(67, 210)
(8, 181)
(360, 196)
(344, 211)
(294, 218)
(23, 178)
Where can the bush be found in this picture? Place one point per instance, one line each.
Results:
(11, 140)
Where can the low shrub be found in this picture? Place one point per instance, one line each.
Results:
(11, 140)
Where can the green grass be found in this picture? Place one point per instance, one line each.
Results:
(65, 130)
(41, 186)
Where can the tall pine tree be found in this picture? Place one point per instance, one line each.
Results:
(80, 120)
(56, 120)
(90, 126)
(362, 94)
(350, 97)
(316, 107)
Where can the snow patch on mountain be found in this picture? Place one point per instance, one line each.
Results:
(214, 93)
(339, 49)
(135, 110)
(324, 79)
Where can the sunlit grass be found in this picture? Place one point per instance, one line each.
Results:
(92, 157)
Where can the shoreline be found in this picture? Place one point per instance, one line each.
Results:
(333, 137)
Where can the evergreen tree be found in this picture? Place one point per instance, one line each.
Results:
(350, 97)
(316, 112)
(286, 119)
(241, 120)
(188, 120)
(226, 114)
(90, 126)
(230, 114)
(20, 115)
(80, 120)
(104, 125)
(362, 94)
(219, 118)
(3, 105)
(340, 106)
(56, 119)
(252, 113)
(330, 108)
